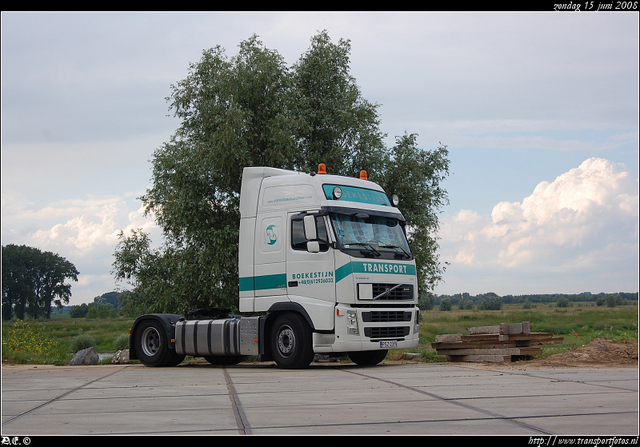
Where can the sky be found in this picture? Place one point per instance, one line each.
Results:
(539, 111)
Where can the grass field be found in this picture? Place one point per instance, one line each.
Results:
(578, 324)
(56, 340)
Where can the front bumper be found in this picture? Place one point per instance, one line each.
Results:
(370, 329)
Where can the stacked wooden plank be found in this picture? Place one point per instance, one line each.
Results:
(503, 343)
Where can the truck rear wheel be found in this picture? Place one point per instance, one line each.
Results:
(152, 345)
(291, 341)
(367, 358)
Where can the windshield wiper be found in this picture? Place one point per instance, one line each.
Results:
(397, 246)
(370, 250)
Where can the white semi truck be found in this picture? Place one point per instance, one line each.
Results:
(325, 264)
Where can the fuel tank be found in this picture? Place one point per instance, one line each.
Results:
(226, 336)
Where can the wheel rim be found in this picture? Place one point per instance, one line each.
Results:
(286, 341)
(150, 341)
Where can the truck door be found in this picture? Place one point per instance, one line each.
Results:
(311, 274)
(269, 269)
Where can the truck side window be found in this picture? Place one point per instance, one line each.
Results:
(298, 241)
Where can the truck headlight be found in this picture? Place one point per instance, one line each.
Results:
(352, 322)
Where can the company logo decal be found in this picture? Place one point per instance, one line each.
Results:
(271, 235)
(374, 267)
(307, 278)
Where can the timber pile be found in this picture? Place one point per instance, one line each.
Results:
(497, 344)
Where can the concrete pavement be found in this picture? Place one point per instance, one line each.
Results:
(261, 399)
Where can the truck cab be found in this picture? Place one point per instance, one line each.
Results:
(330, 252)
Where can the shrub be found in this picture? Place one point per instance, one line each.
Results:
(426, 301)
(492, 303)
(100, 311)
(81, 342)
(614, 300)
(466, 304)
(445, 304)
(122, 342)
(78, 311)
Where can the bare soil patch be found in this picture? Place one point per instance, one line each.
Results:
(599, 353)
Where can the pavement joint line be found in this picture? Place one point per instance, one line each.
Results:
(241, 419)
(513, 419)
(558, 379)
(13, 418)
(455, 402)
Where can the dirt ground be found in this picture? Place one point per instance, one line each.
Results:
(600, 353)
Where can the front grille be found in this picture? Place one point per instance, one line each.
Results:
(383, 291)
(386, 332)
(385, 316)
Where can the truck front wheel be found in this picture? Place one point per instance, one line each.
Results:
(291, 341)
(367, 358)
(152, 345)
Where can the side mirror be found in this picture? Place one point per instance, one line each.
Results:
(310, 230)
(313, 246)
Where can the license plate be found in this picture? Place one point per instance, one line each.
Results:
(388, 344)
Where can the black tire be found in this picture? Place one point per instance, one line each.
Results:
(367, 358)
(291, 341)
(174, 359)
(224, 360)
(152, 345)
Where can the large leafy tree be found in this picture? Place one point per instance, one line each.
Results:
(33, 281)
(338, 126)
(253, 110)
(416, 176)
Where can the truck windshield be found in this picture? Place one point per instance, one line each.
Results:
(366, 235)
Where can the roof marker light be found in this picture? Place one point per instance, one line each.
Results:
(322, 169)
(363, 175)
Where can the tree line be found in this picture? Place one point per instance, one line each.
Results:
(492, 301)
(107, 305)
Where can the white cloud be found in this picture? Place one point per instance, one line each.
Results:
(86, 224)
(584, 223)
(84, 231)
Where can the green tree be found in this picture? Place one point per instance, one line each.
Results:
(416, 176)
(445, 304)
(466, 304)
(613, 300)
(16, 280)
(33, 281)
(79, 311)
(490, 301)
(426, 299)
(232, 115)
(108, 298)
(252, 110)
(336, 125)
(100, 311)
